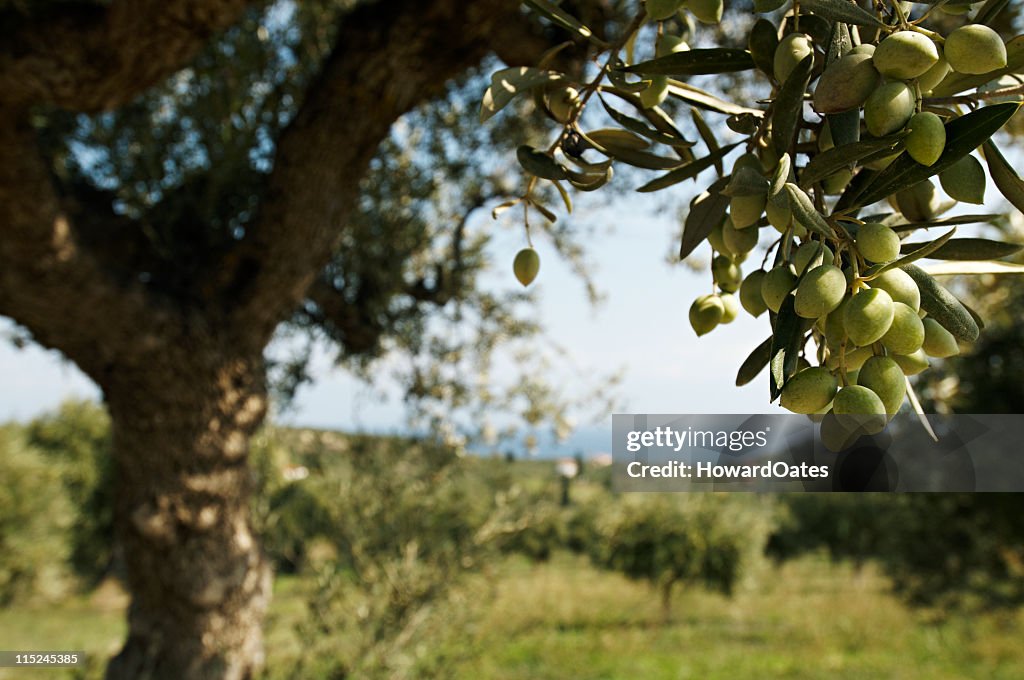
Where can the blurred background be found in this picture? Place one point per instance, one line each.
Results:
(434, 490)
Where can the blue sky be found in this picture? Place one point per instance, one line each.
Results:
(641, 327)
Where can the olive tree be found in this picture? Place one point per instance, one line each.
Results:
(849, 113)
(180, 178)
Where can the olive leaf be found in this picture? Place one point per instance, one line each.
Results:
(708, 101)
(974, 268)
(840, 43)
(617, 77)
(968, 249)
(706, 212)
(789, 105)
(538, 163)
(548, 215)
(746, 181)
(565, 196)
(709, 138)
(499, 209)
(641, 128)
(610, 139)
(805, 213)
(947, 222)
(591, 181)
(989, 11)
(839, 157)
(507, 83)
(963, 135)
(943, 306)
(845, 127)
(841, 10)
(781, 175)
(688, 171)
(696, 62)
(1005, 177)
(763, 41)
(560, 17)
(755, 363)
(787, 339)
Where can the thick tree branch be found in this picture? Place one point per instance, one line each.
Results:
(90, 57)
(47, 282)
(390, 57)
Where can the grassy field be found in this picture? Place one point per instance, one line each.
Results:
(564, 619)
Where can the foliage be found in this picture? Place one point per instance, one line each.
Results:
(35, 516)
(76, 439)
(682, 538)
(945, 550)
(828, 139)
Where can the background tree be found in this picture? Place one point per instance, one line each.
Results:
(179, 178)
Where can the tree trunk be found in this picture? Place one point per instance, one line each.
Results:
(200, 583)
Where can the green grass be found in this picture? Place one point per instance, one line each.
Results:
(809, 619)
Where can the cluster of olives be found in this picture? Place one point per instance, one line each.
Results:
(870, 330)
(865, 318)
(838, 284)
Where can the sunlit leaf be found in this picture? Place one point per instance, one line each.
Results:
(1005, 177)
(507, 83)
(943, 306)
(696, 62)
(969, 249)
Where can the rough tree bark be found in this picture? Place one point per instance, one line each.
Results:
(184, 378)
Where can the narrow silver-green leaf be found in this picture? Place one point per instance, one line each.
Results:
(539, 164)
(841, 10)
(839, 157)
(641, 128)
(696, 62)
(894, 223)
(706, 100)
(1005, 177)
(968, 249)
(781, 175)
(565, 196)
(705, 213)
(787, 339)
(559, 16)
(507, 83)
(974, 268)
(763, 41)
(709, 138)
(548, 215)
(688, 171)
(789, 106)
(845, 127)
(963, 135)
(943, 306)
(805, 213)
(989, 11)
(755, 363)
